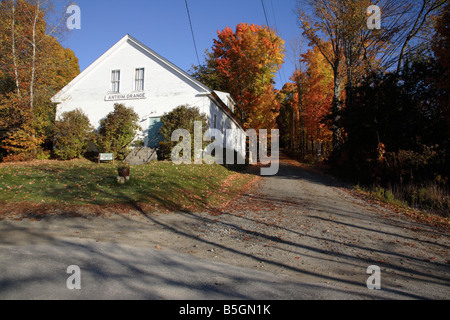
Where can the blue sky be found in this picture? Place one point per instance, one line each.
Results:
(163, 25)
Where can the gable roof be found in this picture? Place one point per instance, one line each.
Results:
(168, 63)
(57, 98)
(129, 39)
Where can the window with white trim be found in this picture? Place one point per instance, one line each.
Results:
(139, 79)
(115, 81)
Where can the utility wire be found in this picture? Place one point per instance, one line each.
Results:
(265, 13)
(192, 31)
(282, 73)
(268, 25)
(274, 17)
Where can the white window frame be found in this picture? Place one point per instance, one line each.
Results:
(139, 79)
(115, 81)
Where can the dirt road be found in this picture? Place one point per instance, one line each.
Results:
(298, 226)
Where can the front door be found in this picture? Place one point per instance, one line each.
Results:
(154, 137)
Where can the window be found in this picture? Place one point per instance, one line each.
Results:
(215, 122)
(115, 81)
(139, 80)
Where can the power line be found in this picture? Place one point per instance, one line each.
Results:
(265, 13)
(192, 31)
(274, 17)
(268, 25)
(281, 72)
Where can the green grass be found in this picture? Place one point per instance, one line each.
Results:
(386, 196)
(430, 198)
(81, 182)
(397, 199)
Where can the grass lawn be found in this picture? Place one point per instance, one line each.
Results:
(83, 183)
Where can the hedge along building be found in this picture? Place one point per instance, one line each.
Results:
(134, 75)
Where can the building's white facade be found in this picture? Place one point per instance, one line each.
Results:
(132, 74)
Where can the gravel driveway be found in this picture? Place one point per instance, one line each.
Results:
(299, 226)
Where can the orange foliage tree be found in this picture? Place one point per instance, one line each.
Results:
(245, 62)
(317, 95)
(34, 66)
(306, 103)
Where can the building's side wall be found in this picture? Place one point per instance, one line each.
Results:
(234, 139)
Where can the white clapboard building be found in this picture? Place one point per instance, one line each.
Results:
(134, 75)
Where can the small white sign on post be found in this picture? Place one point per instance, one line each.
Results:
(106, 157)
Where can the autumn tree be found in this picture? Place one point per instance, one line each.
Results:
(324, 16)
(287, 115)
(33, 67)
(356, 49)
(317, 96)
(244, 63)
(390, 100)
(339, 23)
(290, 119)
(17, 134)
(305, 104)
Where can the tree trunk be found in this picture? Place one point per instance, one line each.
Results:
(349, 87)
(33, 58)
(336, 107)
(13, 45)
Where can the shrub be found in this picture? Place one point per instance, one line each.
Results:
(117, 131)
(389, 196)
(21, 144)
(73, 132)
(183, 117)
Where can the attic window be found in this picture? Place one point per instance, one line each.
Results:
(115, 81)
(139, 80)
